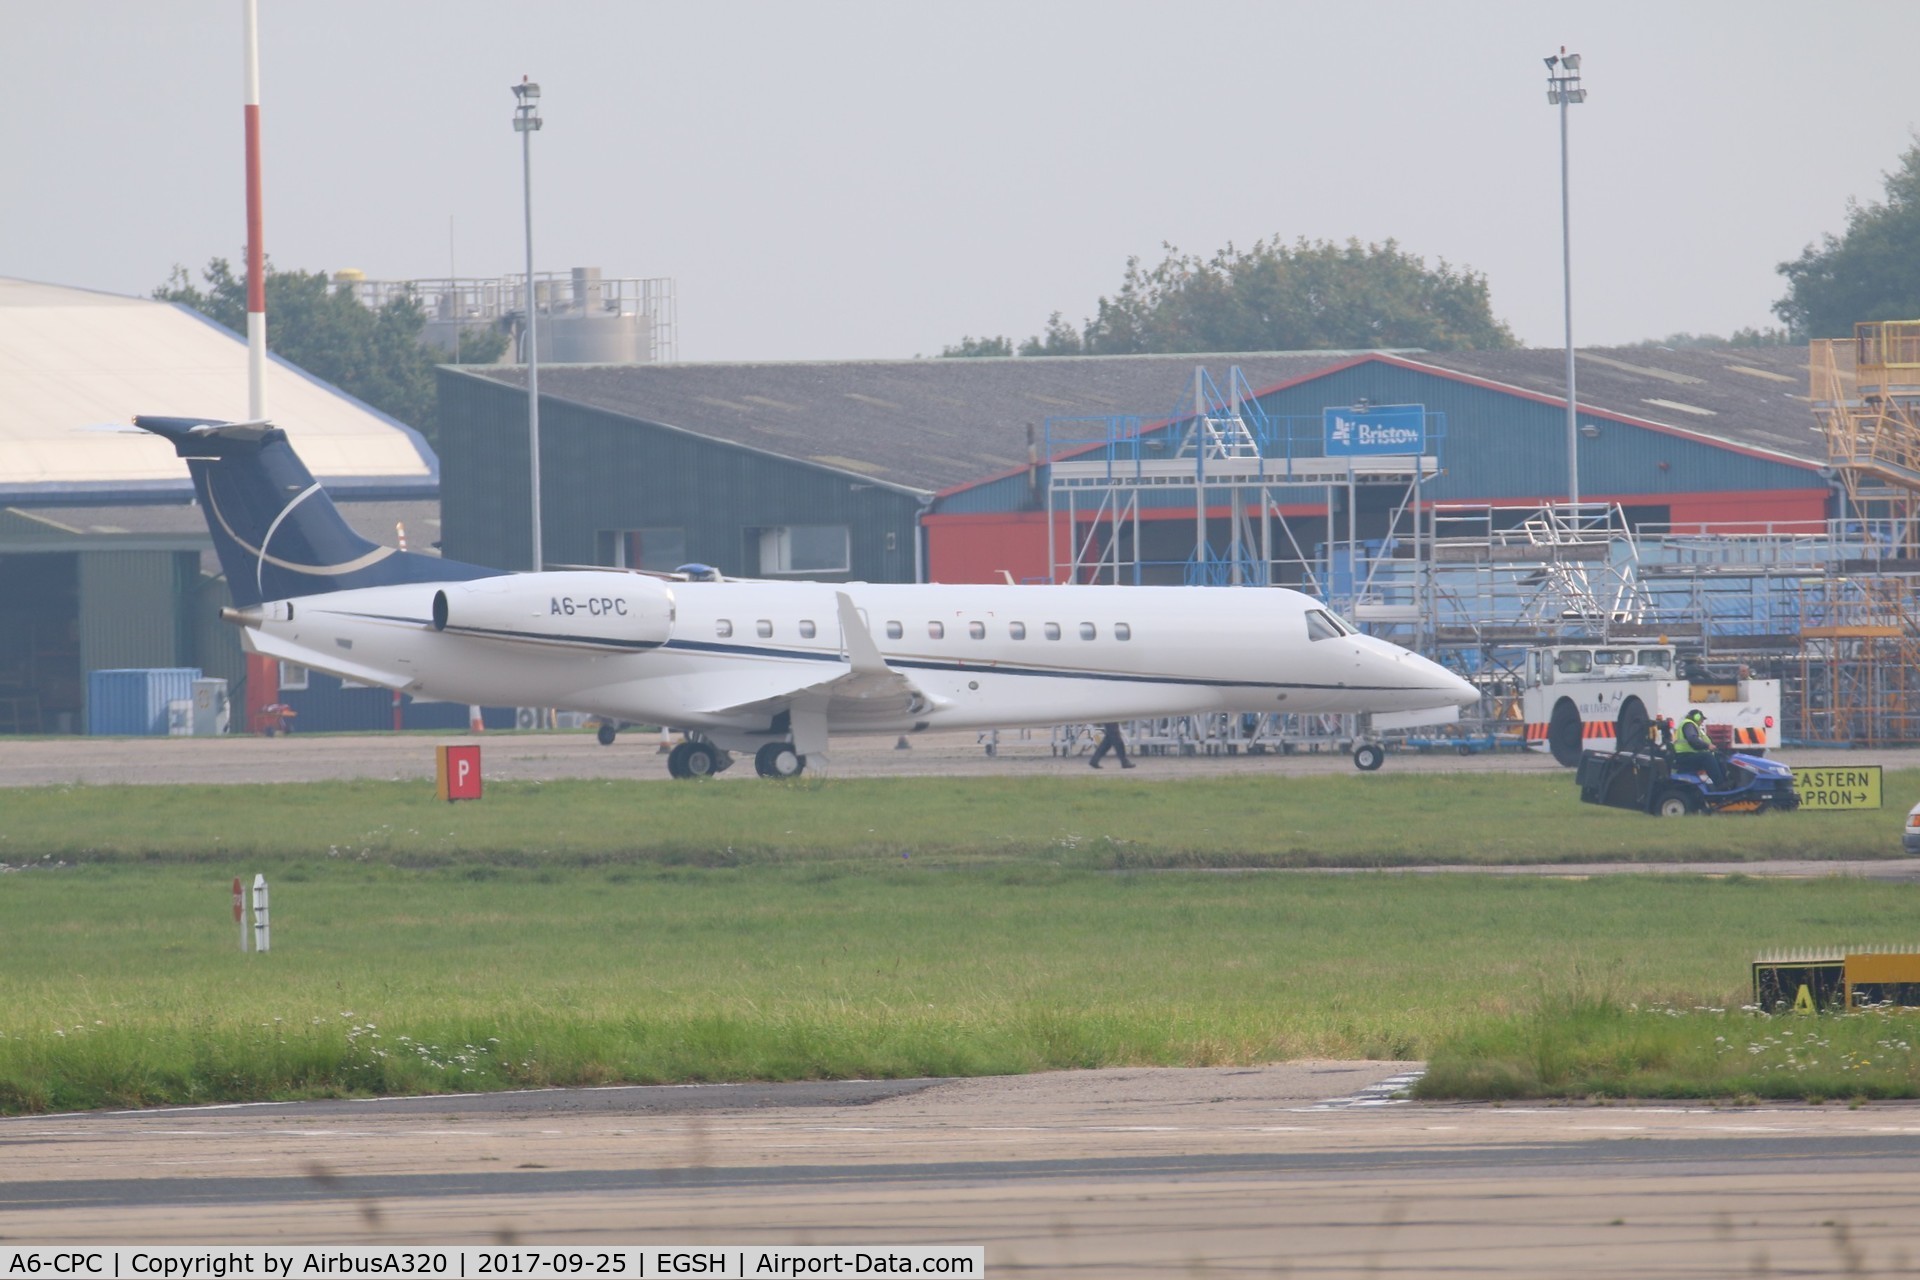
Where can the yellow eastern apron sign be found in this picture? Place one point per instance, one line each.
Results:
(1854, 786)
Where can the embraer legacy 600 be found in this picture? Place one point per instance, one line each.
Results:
(771, 668)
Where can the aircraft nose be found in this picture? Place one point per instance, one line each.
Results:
(1460, 691)
(1423, 677)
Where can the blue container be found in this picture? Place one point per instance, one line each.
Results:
(134, 701)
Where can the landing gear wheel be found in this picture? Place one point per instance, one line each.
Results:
(1565, 734)
(606, 734)
(1630, 727)
(1672, 804)
(677, 760)
(778, 760)
(702, 760)
(1369, 756)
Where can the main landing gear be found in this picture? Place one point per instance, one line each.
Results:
(698, 760)
(778, 760)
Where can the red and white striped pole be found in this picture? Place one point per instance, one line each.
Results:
(256, 244)
(239, 914)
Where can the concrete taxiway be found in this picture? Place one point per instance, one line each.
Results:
(1307, 1169)
(636, 756)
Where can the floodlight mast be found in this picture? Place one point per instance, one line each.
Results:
(526, 121)
(1563, 90)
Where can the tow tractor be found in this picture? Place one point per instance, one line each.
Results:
(1580, 696)
(1653, 779)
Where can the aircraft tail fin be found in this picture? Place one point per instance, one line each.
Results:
(277, 533)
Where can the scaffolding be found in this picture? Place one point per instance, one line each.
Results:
(1220, 493)
(1288, 512)
(1831, 608)
(1866, 395)
(585, 317)
(1860, 661)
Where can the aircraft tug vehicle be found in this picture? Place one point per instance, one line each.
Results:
(1580, 697)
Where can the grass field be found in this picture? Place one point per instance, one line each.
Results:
(1341, 820)
(590, 932)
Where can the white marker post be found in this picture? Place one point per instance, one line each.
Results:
(240, 912)
(262, 927)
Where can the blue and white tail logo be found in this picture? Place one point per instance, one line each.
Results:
(277, 533)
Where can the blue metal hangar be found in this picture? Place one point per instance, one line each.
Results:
(941, 469)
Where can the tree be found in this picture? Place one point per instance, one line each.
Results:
(1060, 339)
(1768, 337)
(970, 347)
(374, 356)
(1870, 273)
(1310, 295)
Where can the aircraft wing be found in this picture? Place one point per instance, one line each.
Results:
(867, 689)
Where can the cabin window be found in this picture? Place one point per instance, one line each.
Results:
(723, 628)
(1088, 631)
(1121, 631)
(802, 548)
(655, 550)
(895, 631)
(937, 630)
(977, 630)
(1613, 657)
(1018, 630)
(764, 628)
(1051, 630)
(1660, 658)
(1573, 662)
(806, 629)
(1320, 625)
(292, 676)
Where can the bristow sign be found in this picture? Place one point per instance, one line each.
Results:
(1394, 428)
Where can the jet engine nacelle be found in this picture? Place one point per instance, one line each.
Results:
(600, 612)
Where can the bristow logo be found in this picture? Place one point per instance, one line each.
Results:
(1349, 432)
(1382, 433)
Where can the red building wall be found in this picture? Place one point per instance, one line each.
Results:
(977, 547)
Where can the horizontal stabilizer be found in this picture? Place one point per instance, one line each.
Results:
(272, 646)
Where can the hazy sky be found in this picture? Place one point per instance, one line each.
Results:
(872, 180)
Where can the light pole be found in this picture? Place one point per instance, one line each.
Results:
(526, 121)
(1563, 90)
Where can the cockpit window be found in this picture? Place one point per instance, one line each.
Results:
(1322, 625)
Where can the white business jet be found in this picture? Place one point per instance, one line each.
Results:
(767, 668)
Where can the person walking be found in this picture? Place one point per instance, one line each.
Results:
(1110, 740)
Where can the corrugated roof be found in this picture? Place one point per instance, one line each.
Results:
(1755, 397)
(918, 424)
(75, 366)
(935, 424)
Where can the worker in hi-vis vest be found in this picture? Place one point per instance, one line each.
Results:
(1694, 749)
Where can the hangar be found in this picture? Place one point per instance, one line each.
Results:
(105, 561)
(943, 469)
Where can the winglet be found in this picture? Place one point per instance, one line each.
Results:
(862, 652)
